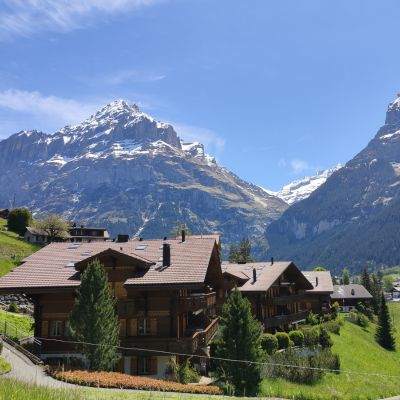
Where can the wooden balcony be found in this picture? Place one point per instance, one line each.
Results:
(287, 299)
(202, 338)
(286, 319)
(198, 301)
(190, 344)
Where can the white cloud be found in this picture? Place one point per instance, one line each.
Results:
(209, 138)
(26, 17)
(296, 165)
(130, 75)
(64, 111)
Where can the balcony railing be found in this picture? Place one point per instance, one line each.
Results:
(202, 338)
(286, 299)
(197, 301)
(285, 319)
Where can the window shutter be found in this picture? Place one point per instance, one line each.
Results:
(152, 365)
(153, 326)
(122, 327)
(45, 328)
(133, 327)
(134, 366)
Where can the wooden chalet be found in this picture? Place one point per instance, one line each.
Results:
(280, 294)
(348, 296)
(166, 293)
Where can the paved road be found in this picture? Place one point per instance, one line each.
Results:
(24, 370)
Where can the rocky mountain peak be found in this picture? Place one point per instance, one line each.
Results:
(116, 108)
(393, 112)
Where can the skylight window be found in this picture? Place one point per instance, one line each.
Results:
(70, 264)
(141, 247)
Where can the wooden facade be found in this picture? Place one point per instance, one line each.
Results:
(181, 319)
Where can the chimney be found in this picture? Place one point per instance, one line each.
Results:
(165, 238)
(166, 255)
(316, 281)
(183, 235)
(122, 238)
(254, 275)
(272, 260)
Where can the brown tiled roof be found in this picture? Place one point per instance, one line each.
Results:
(266, 273)
(352, 291)
(321, 280)
(54, 265)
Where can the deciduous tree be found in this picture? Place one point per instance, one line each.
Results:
(18, 220)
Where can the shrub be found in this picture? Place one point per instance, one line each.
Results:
(364, 309)
(358, 318)
(283, 340)
(328, 360)
(286, 366)
(333, 327)
(269, 343)
(312, 319)
(13, 308)
(311, 336)
(118, 380)
(18, 220)
(335, 307)
(324, 339)
(182, 373)
(297, 337)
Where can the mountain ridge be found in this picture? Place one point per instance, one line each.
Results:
(123, 169)
(351, 220)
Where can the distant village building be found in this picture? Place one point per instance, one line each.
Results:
(75, 234)
(349, 295)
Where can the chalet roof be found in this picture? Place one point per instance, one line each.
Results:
(321, 281)
(266, 274)
(352, 291)
(54, 264)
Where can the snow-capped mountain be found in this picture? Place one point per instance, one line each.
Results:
(302, 188)
(123, 169)
(353, 219)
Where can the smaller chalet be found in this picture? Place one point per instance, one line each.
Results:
(320, 296)
(349, 295)
(280, 294)
(75, 234)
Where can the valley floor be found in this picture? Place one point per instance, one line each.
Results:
(368, 371)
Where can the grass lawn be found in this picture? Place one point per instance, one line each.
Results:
(359, 354)
(18, 391)
(4, 366)
(18, 325)
(12, 249)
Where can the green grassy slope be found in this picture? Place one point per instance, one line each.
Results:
(4, 366)
(18, 325)
(359, 355)
(12, 249)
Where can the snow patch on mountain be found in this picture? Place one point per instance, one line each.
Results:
(302, 188)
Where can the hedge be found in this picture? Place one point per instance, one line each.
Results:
(123, 381)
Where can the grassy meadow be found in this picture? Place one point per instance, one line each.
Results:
(12, 248)
(361, 357)
(18, 325)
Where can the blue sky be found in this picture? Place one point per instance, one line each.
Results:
(275, 89)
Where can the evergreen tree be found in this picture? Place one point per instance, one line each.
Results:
(94, 319)
(240, 253)
(366, 280)
(384, 332)
(240, 340)
(376, 291)
(346, 276)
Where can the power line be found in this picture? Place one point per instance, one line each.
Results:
(226, 359)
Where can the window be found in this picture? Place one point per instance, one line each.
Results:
(143, 326)
(56, 328)
(143, 365)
